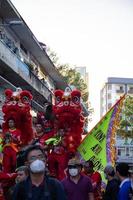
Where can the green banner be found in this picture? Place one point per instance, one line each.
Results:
(99, 145)
(93, 147)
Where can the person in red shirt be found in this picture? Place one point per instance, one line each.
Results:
(95, 178)
(39, 133)
(6, 180)
(57, 162)
(15, 133)
(11, 144)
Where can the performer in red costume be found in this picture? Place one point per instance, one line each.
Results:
(15, 132)
(68, 124)
(40, 135)
(45, 125)
(68, 113)
(6, 181)
(57, 162)
(11, 145)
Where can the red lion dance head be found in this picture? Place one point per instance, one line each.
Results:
(17, 107)
(68, 112)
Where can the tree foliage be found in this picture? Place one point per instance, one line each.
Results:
(70, 75)
(126, 122)
(72, 78)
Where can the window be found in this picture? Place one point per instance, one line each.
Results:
(109, 96)
(109, 87)
(127, 151)
(119, 152)
(130, 91)
(131, 151)
(23, 48)
(120, 89)
(109, 105)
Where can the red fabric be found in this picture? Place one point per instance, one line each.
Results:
(6, 176)
(9, 159)
(68, 112)
(1, 193)
(45, 137)
(17, 107)
(48, 126)
(96, 182)
(16, 133)
(57, 164)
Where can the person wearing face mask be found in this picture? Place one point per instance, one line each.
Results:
(112, 188)
(38, 186)
(76, 185)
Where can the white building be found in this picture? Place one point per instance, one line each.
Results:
(112, 90)
(124, 152)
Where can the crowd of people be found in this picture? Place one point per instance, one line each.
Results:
(31, 178)
(45, 170)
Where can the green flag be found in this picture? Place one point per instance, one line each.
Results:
(97, 146)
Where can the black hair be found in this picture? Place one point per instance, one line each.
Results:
(112, 173)
(23, 154)
(11, 118)
(123, 169)
(31, 148)
(49, 115)
(91, 165)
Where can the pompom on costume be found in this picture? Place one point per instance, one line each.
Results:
(16, 108)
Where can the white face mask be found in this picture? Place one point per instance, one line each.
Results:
(37, 166)
(73, 172)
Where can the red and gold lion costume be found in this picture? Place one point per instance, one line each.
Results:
(68, 113)
(17, 107)
(68, 124)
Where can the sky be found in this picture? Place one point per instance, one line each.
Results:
(97, 34)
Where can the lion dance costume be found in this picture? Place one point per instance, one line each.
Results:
(69, 123)
(16, 108)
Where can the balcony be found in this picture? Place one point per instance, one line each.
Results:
(125, 153)
(130, 91)
(19, 74)
(120, 91)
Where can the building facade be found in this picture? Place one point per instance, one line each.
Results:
(84, 74)
(24, 62)
(112, 90)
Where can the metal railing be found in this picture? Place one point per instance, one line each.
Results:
(14, 62)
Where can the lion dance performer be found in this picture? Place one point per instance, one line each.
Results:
(17, 126)
(69, 123)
